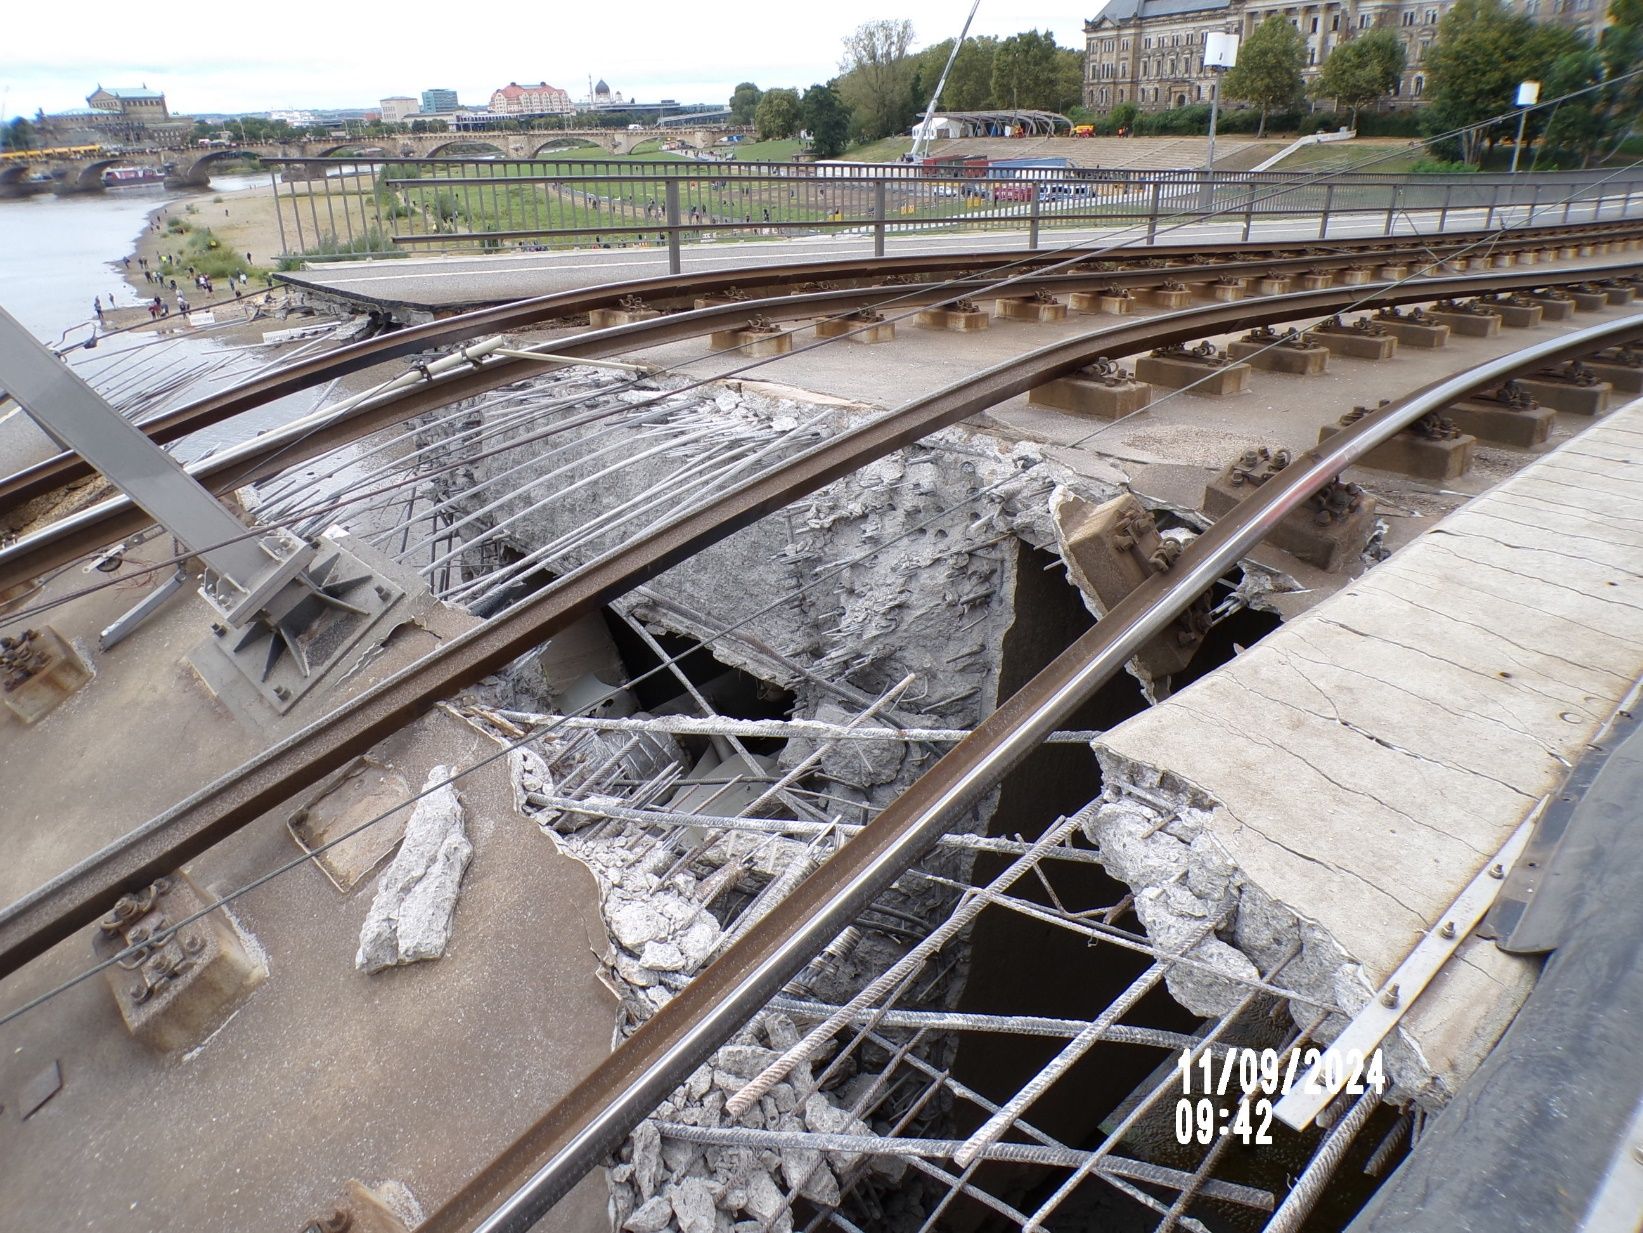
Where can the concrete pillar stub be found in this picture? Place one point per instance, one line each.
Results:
(1101, 302)
(1329, 531)
(603, 318)
(1355, 344)
(42, 669)
(1026, 308)
(1392, 273)
(1566, 395)
(1518, 316)
(863, 331)
(751, 342)
(1176, 373)
(1589, 301)
(1302, 361)
(181, 990)
(1171, 297)
(1499, 424)
(1428, 334)
(1627, 378)
(1093, 399)
(1415, 456)
(1553, 308)
(1467, 324)
(1110, 550)
(1316, 282)
(957, 321)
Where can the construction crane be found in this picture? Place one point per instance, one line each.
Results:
(921, 143)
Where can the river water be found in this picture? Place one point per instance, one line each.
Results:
(57, 254)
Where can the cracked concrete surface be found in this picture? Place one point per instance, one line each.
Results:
(1341, 782)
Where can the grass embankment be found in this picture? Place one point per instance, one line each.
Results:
(187, 243)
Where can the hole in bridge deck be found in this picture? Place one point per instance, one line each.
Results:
(1019, 965)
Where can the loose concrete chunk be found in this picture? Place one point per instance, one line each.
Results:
(410, 918)
(764, 1197)
(694, 1208)
(651, 1216)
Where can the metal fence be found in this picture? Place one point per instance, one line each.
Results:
(342, 209)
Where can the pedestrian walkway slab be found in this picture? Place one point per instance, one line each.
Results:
(1338, 784)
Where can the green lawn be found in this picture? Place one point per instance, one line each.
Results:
(1392, 157)
(886, 151)
(774, 151)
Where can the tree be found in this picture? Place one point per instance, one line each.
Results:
(826, 120)
(1026, 72)
(20, 135)
(744, 101)
(1483, 51)
(970, 84)
(777, 114)
(1268, 72)
(877, 74)
(1362, 71)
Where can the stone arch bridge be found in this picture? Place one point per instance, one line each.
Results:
(192, 168)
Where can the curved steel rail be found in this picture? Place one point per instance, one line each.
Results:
(72, 537)
(540, 1167)
(78, 896)
(52, 473)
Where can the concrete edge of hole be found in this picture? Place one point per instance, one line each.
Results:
(1153, 832)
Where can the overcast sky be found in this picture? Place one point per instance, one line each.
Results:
(256, 56)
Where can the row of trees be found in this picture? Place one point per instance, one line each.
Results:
(1483, 50)
(884, 85)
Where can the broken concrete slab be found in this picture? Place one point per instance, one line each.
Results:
(410, 918)
(1336, 785)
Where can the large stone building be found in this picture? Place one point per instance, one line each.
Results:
(121, 116)
(514, 99)
(1151, 52)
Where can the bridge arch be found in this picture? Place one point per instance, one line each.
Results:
(87, 179)
(353, 147)
(464, 146)
(565, 143)
(14, 180)
(196, 172)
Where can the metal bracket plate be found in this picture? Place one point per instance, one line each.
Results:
(283, 673)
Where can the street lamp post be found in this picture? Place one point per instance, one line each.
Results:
(1528, 94)
(1220, 54)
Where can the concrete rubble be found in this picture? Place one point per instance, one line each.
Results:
(410, 918)
(930, 541)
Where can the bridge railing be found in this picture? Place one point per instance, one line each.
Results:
(331, 209)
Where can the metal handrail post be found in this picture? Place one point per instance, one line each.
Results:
(1032, 214)
(1323, 218)
(1443, 214)
(1391, 212)
(670, 195)
(1152, 215)
(878, 218)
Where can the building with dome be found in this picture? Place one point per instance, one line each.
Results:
(602, 96)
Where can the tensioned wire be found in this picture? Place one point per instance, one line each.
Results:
(1078, 252)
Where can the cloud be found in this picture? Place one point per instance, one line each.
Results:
(252, 58)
